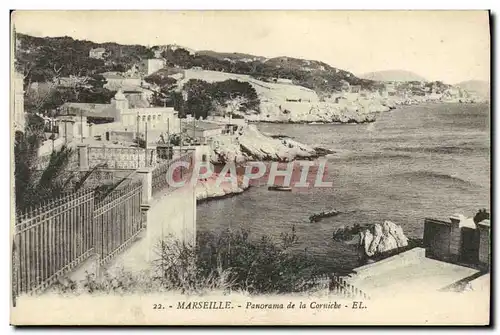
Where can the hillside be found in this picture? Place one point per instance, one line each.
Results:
(393, 75)
(314, 75)
(204, 83)
(41, 57)
(480, 87)
(232, 56)
(265, 91)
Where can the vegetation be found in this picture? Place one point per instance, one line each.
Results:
(315, 75)
(481, 215)
(203, 99)
(49, 96)
(230, 261)
(36, 184)
(38, 57)
(32, 186)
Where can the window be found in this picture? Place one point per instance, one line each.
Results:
(143, 118)
(149, 118)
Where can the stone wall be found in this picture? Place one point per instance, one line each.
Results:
(448, 241)
(172, 215)
(484, 243)
(121, 158)
(455, 238)
(437, 238)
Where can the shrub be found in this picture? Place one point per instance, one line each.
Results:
(256, 265)
(229, 261)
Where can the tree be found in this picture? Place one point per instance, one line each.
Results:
(199, 100)
(163, 81)
(32, 187)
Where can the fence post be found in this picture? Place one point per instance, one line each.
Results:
(146, 175)
(83, 156)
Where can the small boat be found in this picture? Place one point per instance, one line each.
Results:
(319, 216)
(279, 188)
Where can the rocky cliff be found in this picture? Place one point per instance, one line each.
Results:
(324, 112)
(248, 144)
(382, 238)
(209, 190)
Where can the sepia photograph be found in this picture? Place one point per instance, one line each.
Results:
(250, 167)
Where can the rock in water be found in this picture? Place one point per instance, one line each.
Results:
(366, 240)
(251, 144)
(382, 238)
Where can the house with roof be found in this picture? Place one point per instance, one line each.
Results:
(202, 130)
(97, 53)
(117, 80)
(149, 66)
(355, 88)
(122, 114)
(138, 98)
(157, 53)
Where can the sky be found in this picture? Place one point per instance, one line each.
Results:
(451, 46)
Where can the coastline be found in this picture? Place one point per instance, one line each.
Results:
(219, 197)
(208, 190)
(364, 111)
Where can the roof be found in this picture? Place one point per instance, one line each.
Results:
(119, 75)
(157, 60)
(201, 125)
(89, 109)
(98, 49)
(409, 271)
(111, 75)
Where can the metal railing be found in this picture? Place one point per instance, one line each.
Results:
(55, 237)
(117, 221)
(336, 285)
(339, 286)
(52, 239)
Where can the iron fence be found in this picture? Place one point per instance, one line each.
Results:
(339, 286)
(117, 221)
(58, 235)
(52, 239)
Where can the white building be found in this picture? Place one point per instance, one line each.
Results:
(124, 118)
(157, 53)
(97, 53)
(149, 66)
(202, 129)
(18, 101)
(136, 118)
(117, 80)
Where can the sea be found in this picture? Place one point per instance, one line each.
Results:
(413, 162)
